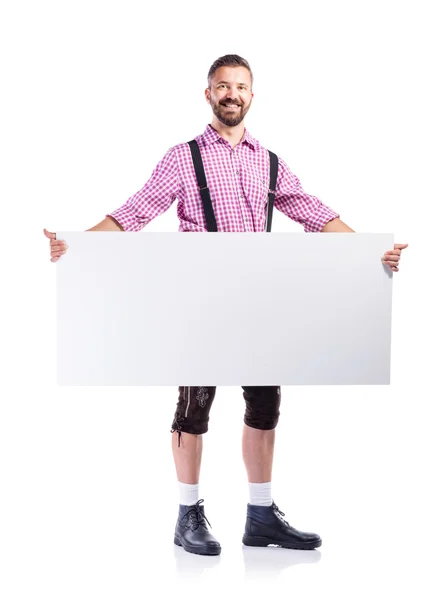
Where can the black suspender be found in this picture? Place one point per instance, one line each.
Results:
(206, 197)
(272, 187)
(203, 187)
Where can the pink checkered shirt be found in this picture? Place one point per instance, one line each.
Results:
(238, 181)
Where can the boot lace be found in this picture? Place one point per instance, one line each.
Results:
(280, 514)
(196, 517)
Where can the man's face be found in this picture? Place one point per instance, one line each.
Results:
(230, 95)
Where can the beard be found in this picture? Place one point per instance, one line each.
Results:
(230, 119)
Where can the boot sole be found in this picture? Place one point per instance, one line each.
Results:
(196, 550)
(249, 540)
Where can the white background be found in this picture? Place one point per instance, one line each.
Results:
(93, 94)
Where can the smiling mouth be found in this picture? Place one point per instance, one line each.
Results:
(230, 106)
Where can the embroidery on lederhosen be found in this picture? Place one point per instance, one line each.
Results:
(202, 396)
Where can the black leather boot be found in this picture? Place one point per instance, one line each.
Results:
(192, 533)
(265, 525)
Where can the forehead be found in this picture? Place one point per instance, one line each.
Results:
(232, 75)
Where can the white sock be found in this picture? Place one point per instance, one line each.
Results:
(189, 493)
(260, 493)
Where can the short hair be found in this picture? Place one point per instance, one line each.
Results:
(229, 60)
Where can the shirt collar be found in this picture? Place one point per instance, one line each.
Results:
(210, 135)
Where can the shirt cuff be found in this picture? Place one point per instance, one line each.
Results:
(320, 218)
(126, 219)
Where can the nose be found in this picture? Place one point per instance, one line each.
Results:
(233, 98)
(234, 95)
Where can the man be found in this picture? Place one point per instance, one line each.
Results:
(237, 173)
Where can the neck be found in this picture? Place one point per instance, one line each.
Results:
(232, 134)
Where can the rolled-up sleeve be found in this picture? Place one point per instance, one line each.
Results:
(293, 201)
(153, 199)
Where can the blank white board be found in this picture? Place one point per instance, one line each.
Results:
(223, 309)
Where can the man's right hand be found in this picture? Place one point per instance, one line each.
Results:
(57, 247)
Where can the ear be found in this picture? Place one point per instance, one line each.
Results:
(207, 95)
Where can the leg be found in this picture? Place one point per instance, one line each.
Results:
(190, 422)
(258, 442)
(264, 521)
(187, 456)
(258, 448)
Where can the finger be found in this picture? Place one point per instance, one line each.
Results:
(401, 246)
(390, 255)
(58, 254)
(57, 244)
(391, 262)
(49, 234)
(397, 252)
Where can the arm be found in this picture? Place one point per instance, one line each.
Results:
(153, 199)
(108, 224)
(391, 258)
(291, 199)
(295, 203)
(336, 226)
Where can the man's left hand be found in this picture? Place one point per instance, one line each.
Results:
(392, 257)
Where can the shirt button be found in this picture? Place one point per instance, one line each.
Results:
(238, 172)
